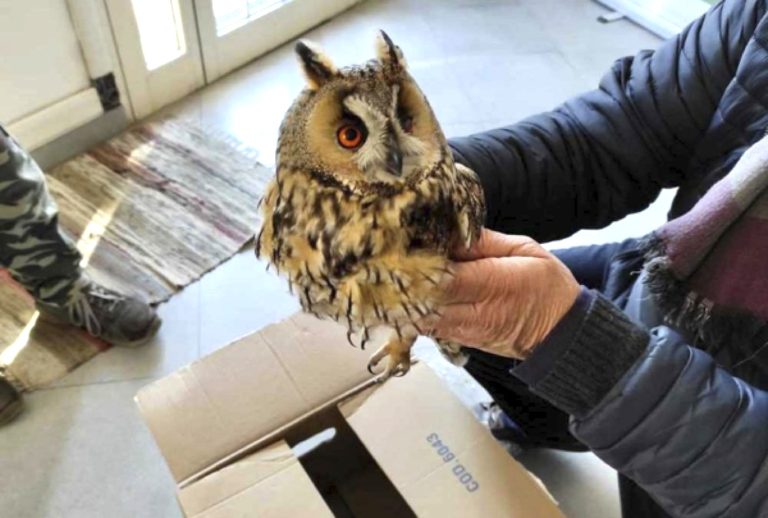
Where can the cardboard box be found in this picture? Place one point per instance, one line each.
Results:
(287, 422)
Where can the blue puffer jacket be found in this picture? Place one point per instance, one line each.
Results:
(667, 415)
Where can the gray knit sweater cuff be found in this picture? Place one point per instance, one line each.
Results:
(601, 350)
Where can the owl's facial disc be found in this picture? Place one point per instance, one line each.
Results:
(389, 150)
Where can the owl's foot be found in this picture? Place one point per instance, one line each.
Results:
(397, 351)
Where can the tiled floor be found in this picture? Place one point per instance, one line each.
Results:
(81, 451)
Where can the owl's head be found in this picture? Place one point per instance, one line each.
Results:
(361, 125)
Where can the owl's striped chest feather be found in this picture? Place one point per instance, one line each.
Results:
(377, 247)
(316, 220)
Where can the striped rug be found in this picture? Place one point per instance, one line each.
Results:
(151, 210)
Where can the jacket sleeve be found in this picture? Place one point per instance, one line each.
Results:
(657, 410)
(609, 152)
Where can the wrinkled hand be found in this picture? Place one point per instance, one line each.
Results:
(507, 294)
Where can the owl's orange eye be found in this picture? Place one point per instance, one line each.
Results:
(350, 136)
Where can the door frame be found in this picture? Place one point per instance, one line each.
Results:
(150, 90)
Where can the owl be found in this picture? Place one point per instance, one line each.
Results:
(367, 202)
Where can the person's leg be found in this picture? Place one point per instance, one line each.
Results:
(541, 424)
(48, 265)
(31, 247)
(526, 419)
(37, 255)
(636, 503)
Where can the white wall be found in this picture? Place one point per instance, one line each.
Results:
(40, 60)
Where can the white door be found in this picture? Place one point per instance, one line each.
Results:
(233, 32)
(158, 45)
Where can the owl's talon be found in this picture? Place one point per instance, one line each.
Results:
(349, 339)
(376, 358)
(398, 355)
(400, 371)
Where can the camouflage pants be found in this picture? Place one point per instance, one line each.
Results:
(32, 248)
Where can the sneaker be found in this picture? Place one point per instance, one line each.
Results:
(115, 318)
(10, 401)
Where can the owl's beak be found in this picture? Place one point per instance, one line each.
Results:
(394, 158)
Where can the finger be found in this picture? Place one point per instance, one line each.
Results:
(456, 324)
(483, 279)
(496, 244)
(471, 281)
(439, 325)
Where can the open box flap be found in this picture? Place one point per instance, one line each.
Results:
(271, 480)
(438, 456)
(219, 404)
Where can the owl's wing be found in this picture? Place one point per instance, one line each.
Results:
(470, 204)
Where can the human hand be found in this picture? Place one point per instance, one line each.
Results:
(506, 295)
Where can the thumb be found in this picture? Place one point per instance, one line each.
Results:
(496, 244)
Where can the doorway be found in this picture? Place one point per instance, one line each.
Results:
(169, 48)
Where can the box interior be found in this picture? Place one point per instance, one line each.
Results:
(343, 471)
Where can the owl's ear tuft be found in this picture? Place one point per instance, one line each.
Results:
(389, 53)
(317, 66)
